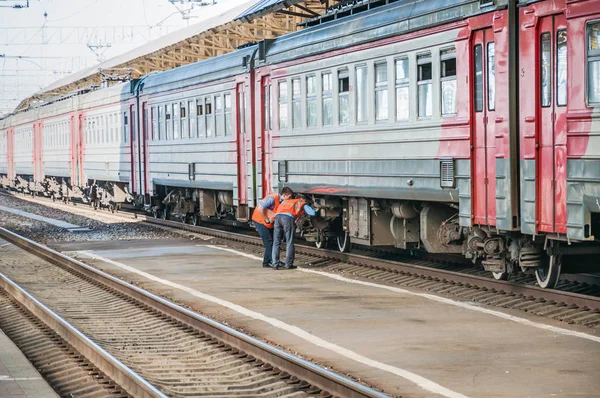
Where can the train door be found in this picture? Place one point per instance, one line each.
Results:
(10, 153)
(73, 144)
(265, 141)
(38, 170)
(484, 142)
(242, 165)
(552, 135)
(143, 148)
(132, 148)
(81, 141)
(144, 144)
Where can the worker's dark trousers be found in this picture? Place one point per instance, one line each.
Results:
(284, 227)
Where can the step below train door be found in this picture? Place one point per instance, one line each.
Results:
(551, 135)
(483, 139)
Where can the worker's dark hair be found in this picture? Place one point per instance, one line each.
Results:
(286, 191)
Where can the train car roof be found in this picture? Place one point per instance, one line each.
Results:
(212, 69)
(394, 19)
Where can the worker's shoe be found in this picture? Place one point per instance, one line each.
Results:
(287, 267)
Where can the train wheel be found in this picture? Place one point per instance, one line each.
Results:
(548, 273)
(184, 218)
(501, 276)
(196, 219)
(343, 241)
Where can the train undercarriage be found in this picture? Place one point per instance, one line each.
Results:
(192, 204)
(434, 228)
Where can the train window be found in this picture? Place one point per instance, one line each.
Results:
(219, 126)
(361, 94)
(311, 101)
(344, 96)
(561, 67)
(546, 71)
(227, 114)
(267, 107)
(200, 118)
(448, 81)
(593, 63)
(154, 123)
(176, 121)
(283, 105)
(424, 82)
(193, 123)
(133, 128)
(209, 121)
(112, 128)
(161, 123)
(241, 106)
(327, 87)
(381, 91)
(478, 83)
(184, 122)
(296, 104)
(168, 122)
(125, 126)
(491, 75)
(402, 89)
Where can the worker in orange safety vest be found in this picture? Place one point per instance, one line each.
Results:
(287, 213)
(263, 219)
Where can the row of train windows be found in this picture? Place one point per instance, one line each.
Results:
(382, 83)
(193, 118)
(56, 135)
(106, 129)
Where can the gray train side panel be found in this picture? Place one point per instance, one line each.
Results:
(528, 197)
(401, 179)
(583, 196)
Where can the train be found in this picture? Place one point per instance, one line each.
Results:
(464, 127)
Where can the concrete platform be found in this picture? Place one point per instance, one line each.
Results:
(406, 342)
(18, 377)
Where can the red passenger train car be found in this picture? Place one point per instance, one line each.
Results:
(462, 127)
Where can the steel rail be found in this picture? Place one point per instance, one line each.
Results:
(316, 375)
(126, 378)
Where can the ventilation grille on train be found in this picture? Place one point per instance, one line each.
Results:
(447, 173)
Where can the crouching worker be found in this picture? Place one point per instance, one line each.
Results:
(287, 213)
(264, 217)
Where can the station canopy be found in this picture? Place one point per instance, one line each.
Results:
(247, 23)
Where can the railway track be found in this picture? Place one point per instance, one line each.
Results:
(174, 351)
(573, 302)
